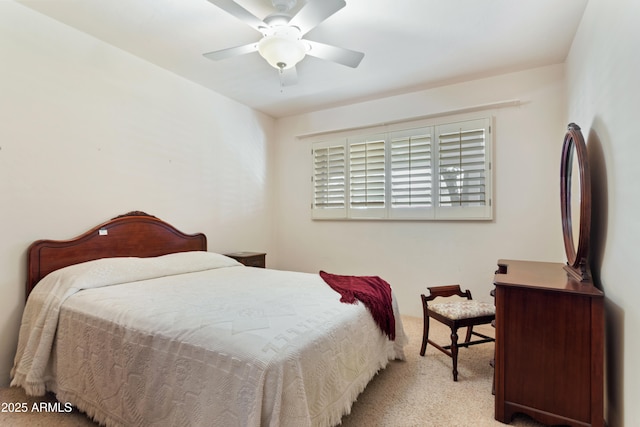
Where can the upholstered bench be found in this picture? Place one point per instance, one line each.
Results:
(455, 314)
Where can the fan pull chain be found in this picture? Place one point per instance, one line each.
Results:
(281, 80)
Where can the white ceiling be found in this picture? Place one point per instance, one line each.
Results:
(408, 44)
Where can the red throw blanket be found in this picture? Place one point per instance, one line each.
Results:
(374, 293)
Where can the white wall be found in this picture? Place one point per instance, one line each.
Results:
(88, 132)
(414, 255)
(603, 68)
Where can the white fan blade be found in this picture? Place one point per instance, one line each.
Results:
(230, 52)
(314, 12)
(240, 12)
(343, 56)
(288, 77)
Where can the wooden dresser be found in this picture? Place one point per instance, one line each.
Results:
(549, 345)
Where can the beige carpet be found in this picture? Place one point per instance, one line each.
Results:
(416, 392)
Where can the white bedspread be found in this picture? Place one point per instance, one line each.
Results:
(146, 343)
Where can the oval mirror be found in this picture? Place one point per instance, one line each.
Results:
(575, 202)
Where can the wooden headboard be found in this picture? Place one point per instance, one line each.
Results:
(133, 234)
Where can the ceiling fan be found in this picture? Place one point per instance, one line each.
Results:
(282, 45)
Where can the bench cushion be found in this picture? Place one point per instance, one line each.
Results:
(463, 309)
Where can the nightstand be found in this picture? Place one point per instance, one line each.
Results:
(250, 259)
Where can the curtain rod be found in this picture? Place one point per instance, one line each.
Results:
(481, 107)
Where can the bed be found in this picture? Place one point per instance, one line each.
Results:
(135, 323)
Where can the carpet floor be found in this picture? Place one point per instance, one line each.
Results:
(416, 392)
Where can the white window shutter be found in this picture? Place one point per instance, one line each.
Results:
(464, 174)
(329, 183)
(440, 172)
(367, 176)
(411, 173)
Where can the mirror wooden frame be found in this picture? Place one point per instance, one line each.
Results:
(577, 255)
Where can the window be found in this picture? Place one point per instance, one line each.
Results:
(411, 173)
(329, 178)
(367, 176)
(441, 171)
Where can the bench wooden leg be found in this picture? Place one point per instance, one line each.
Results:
(454, 353)
(469, 333)
(425, 334)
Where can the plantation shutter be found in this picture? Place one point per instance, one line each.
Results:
(411, 173)
(429, 172)
(367, 176)
(464, 172)
(329, 186)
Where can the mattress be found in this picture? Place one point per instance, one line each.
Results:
(198, 339)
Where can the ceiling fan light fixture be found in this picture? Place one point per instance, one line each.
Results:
(282, 49)
(282, 45)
